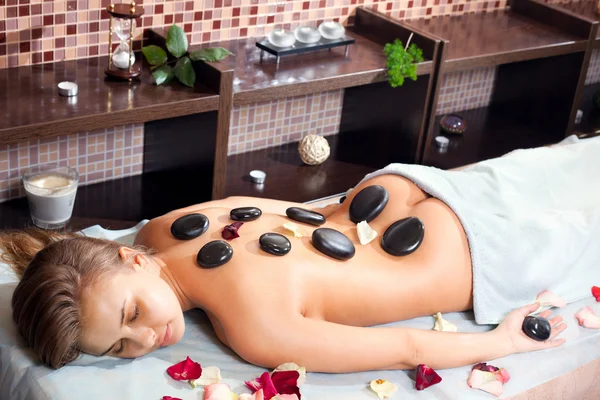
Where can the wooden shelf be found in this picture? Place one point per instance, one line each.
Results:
(32, 108)
(288, 178)
(590, 121)
(491, 132)
(583, 8)
(296, 75)
(493, 38)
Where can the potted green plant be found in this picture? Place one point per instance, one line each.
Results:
(402, 61)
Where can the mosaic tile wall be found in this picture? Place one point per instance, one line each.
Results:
(272, 123)
(96, 155)
(593, 74)
(37, 31)
(464, 90)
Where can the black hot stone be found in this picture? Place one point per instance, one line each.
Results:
(245, 213)
(368, 203)
(537, 328)
(342, 199)
(189, 226)
(306, 216)
(333, 243)
(214, 254)
(274, 243)
(403, 237)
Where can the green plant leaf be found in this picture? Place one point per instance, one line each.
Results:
(401, 63)
(154, 55)
(210, 54)
(177, 42)
(163, 74)
(184, 71)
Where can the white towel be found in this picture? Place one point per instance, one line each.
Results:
(532, 220)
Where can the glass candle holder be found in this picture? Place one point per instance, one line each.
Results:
(281, 38)
(332, 30)
(306, 34)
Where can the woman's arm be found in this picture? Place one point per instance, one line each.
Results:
(323, 346)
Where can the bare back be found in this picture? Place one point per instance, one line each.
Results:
(371, 288)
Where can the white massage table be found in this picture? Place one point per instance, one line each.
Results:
(569, 372)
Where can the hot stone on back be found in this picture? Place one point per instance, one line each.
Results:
(333, 243)
(214, 254)
(403, 237)
(245, 213)
(306, 216)
(537, 328)
(368, 203)
(274, 243)
(189, 226)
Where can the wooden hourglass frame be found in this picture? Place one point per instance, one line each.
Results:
(124, 11)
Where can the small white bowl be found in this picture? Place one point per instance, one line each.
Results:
(67, 88)
(258, 176)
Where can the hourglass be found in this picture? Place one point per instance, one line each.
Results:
(121, 61)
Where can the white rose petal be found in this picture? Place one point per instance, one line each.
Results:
(297, 230)
(383, 388)
(209, 376)
(442, 325)
(365, 233)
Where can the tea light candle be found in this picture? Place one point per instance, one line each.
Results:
(67, 88)
(442, 142)
(306, 34)
(332, 30)
(258, 176)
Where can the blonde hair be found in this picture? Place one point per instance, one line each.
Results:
(54, 269)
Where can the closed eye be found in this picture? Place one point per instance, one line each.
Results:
(135, 314)
(120, 350)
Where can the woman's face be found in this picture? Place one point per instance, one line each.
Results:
(130, 313)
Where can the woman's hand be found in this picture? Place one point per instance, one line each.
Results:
(511, 330)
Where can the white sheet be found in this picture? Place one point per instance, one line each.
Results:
(91, 378)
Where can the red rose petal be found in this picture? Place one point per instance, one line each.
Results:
(185, 370)
(426, 377)
(265, 383)
(231, 231)
(286, 382)
(596, 292)
(170, 398)
(484, 367)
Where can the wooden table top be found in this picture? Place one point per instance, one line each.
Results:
(584, 8)
(302, 74)
(492, 38)
(30, 105)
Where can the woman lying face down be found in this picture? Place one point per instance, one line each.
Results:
(89, 295)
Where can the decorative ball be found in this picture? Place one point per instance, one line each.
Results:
(453, 123)
(313, 149)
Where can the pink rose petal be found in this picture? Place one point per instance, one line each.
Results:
(218, 391)
(486, 381)
(549, 299)
(230, 232)
(503, 375)
(170, 398)
(255, 396)
(587, 318)
(265, 383)
(185, 370)
(426, 377)
(484, 367)
(596, 292)
(285, 397)
(286, 382)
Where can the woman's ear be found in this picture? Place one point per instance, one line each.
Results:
(126, 252)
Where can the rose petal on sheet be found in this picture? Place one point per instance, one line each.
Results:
(265, 383)
(255, 396)
(486, 381)
(286, 382)
(426, 377)
(365, 233)
(485, 367)
(502, 375)
(185, 370)
(219, 391)
(549, 299)
(209, 376)
(293, 367)
(296, 229)
(230, 232)
(170, 398)
(285, 397)
(383, 388)
(596, 292)
(442, 325)
(587, 318)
